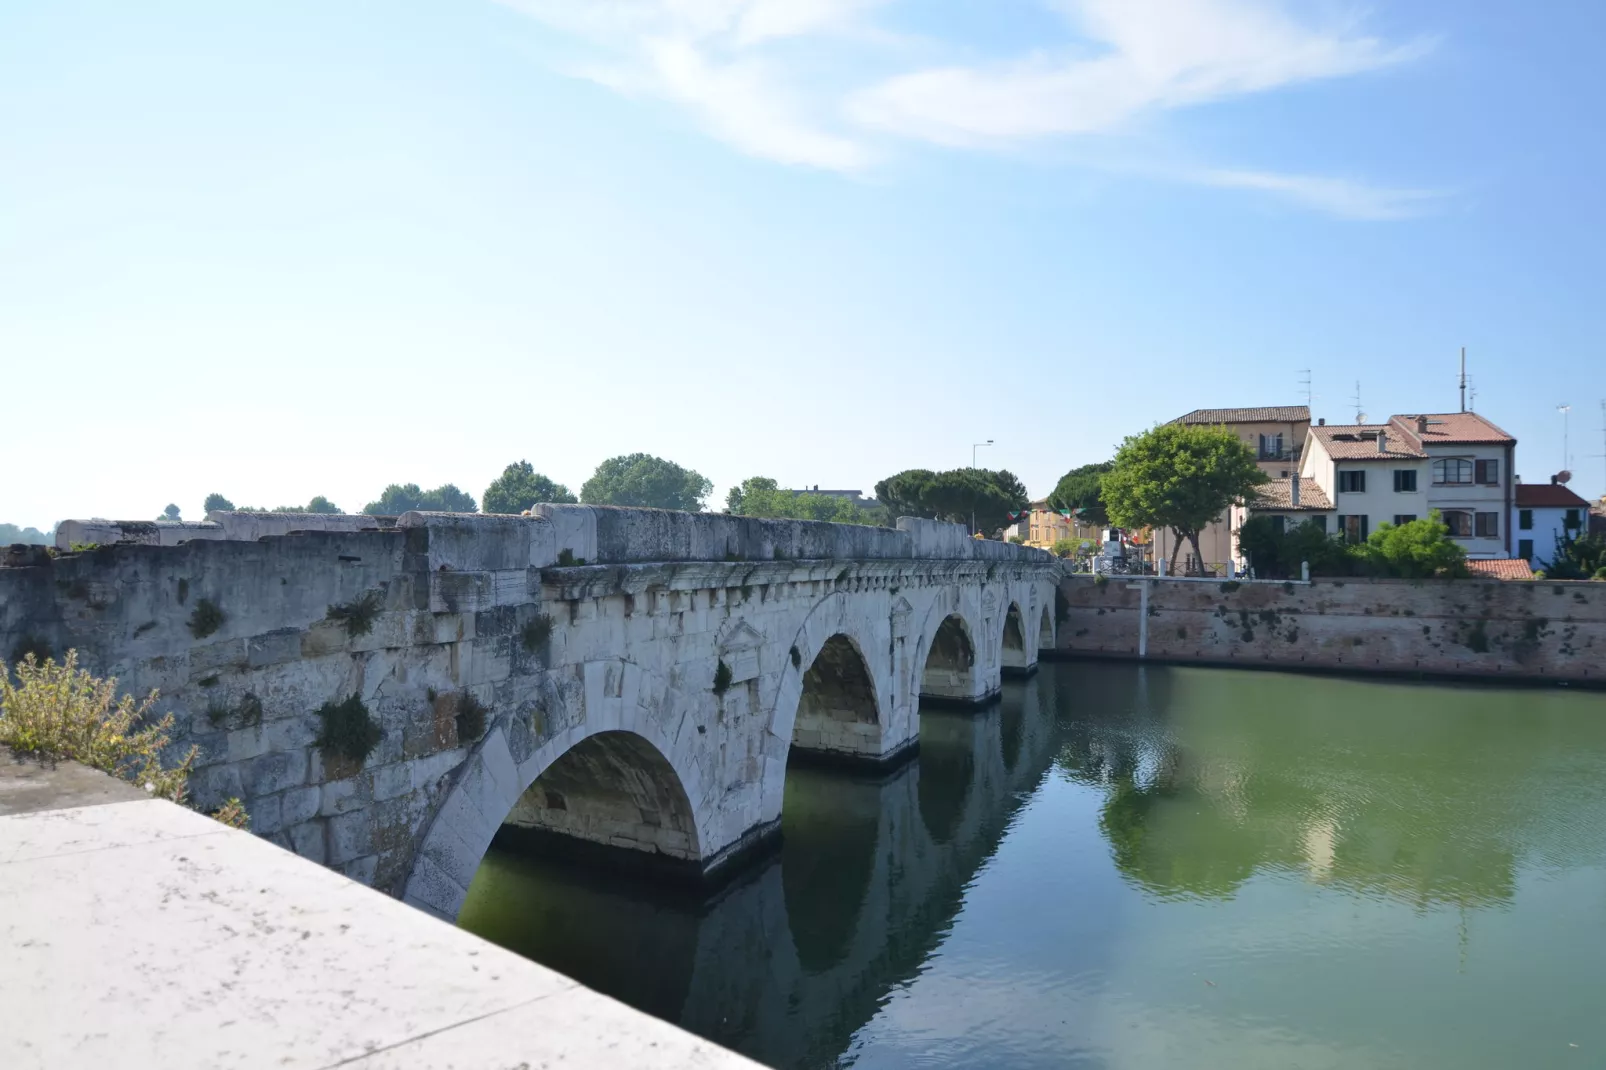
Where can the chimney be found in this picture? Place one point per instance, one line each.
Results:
(1293, 489)
(1554, 480)
(1421, 425)
(1322, 422)
(1382, 442)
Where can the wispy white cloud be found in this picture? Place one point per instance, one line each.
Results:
(1334, 196)
(824, 83)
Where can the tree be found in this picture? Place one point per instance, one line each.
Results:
(171, 513)
(217, 503)
(1281, 554)
(1420, 549)
(1579, 557)
(764, 497)
(1179, 476)
(978, 497)
(401, 498)
(519, 487)
(320, 504)
(1080, 491)
(11, 533)
(644, 481)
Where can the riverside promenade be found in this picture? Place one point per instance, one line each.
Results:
(139, 934)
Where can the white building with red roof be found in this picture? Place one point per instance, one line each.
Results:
(1544, 513)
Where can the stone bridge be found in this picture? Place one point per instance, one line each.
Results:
(589, 677)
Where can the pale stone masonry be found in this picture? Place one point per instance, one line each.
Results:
(655, 690)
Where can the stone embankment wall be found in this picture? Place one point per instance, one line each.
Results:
(1516, 630)
(479, 645)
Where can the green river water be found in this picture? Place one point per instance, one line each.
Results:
(1125, 866)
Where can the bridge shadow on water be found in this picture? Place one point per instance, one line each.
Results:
(788, 962)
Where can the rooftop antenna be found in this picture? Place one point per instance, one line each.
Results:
(1566, 451)
(1472, 394)
(1463, 378)
(1304, 386)
(1360, 417)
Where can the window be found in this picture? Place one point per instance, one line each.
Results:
(1488, 472)
(1572, 519)
(1320, 521)
(1452, 470)
(1459, 523)
(1525, 519)
(1354, 528)
(1271, 448)
(1403, 518)
(1405, 480)
(1279, 524)
(1354, 481)
(1525, 550)
(1488, 525)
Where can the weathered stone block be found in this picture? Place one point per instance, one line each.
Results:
(274, 772)
(307, 840)
(267, 814)
(324, 638)
(361, 870)
(344, 796)
(214, 659)
(349, 836)
(273, 648)
(301, 804)
(247, 743)
(392, 780)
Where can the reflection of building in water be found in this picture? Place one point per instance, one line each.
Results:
(1431, 796)
(789, 963)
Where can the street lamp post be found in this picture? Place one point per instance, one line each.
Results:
(973, 448)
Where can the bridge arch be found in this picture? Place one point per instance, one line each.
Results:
(1045, 630)
(601, 783)
(948, 663)
(1013, 658)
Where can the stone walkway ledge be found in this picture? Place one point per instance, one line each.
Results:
(138, 934)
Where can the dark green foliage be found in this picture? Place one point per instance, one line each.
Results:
(644, 481)
(431, 694)
(520, 487)
(1230, 586)
(183, 591)
(171, 513)
(31, 644)
(216, 503)
(1062, 606)
(958, 496)
(207, 681)
(722, 678)
(797, 658)
(761, 496)
(358, 616)
(216, 714)
(566, 559)
(348, 730)
(1420, 549)
(1580, 558)
(1478, 639)
(250, 709)
(206, 619)
(11, 534)
(320, 504)
(1277, 554)
(1080, 491)
(470, 718)
(536, 632)
(400, 498)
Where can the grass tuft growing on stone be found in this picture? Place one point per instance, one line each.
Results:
(206, 619)
(536, 632)
(60, 712)
(470, 718)
(348, 731)
(722, 678)
(358, 615)
(566, 559)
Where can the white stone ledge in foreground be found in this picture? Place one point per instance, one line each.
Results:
(142, 935)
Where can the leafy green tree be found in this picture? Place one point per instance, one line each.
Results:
(1579, 557)
(1080, 490)
(1281, 554)
(1179, 476)
(974, 496)
(644, 481)
(217, 503)
(1421, 549)
(764, 497)
(11, 534)
(519, 487)
(320, 504)
(401, 498)
(170, 513)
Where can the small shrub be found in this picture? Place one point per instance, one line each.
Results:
(206, 619)
(1230, 586)
(250, 710)
(1100, 579)
(232, 814)
(1288, 587)
(358, 616)
(566, 559)
(348, 730)
(61, 712)
(1248, 635)
(207, 681)
(431, 694)
(1478, 639)
(470, 717)
(216, 714)
(797, 658)
(536, 632)
(722, 678)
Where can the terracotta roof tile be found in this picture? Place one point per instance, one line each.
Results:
(1270, 414)
(1513, 568)
(1548, 496)
(1452, 429)
(1345, 442)
(1278, 495)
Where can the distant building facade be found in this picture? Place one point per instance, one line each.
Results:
(1545, 513)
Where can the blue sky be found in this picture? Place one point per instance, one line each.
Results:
(316, 246)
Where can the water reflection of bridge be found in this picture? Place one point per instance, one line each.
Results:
(788, 964)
